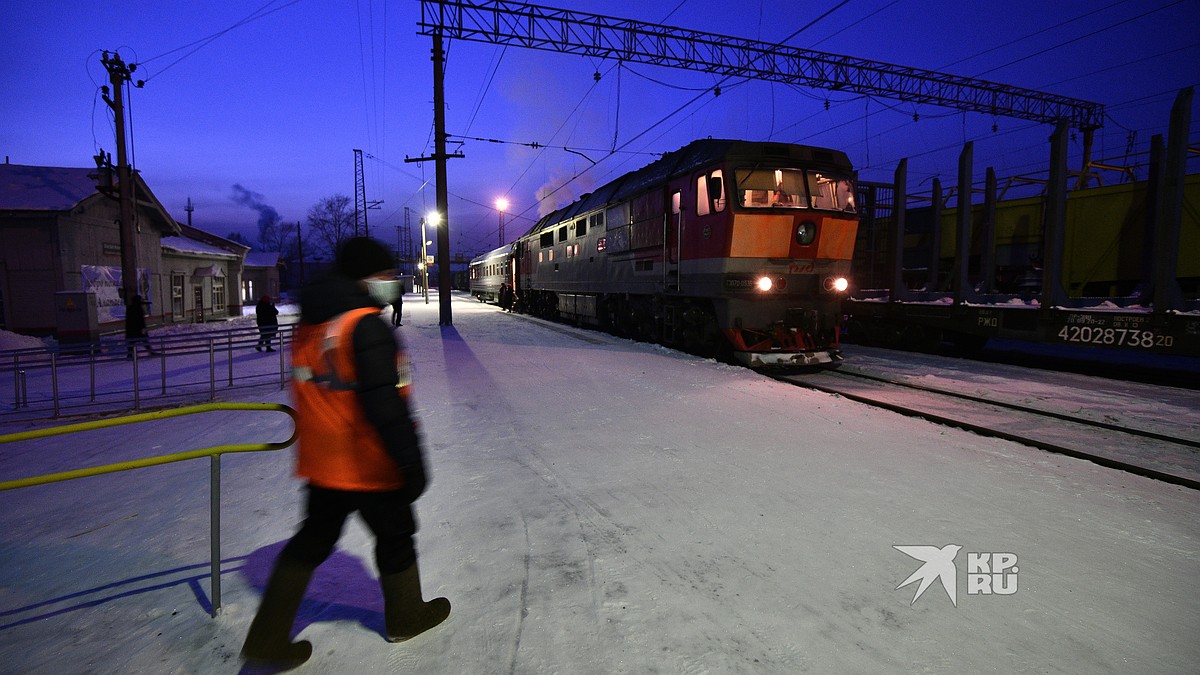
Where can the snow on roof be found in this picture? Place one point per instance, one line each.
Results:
(44, 188)
(193, 247)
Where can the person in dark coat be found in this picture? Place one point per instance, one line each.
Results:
(267, 317)
(135, 326)
(358, 450)
(506, 297)
(398, 306)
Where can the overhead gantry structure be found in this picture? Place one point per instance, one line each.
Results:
(504, 22)
(521, 25)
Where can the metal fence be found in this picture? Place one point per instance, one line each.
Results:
(115, 374)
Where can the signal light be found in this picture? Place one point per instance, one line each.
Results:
(764, 284)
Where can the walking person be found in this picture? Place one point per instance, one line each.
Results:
(358, 449)
(135, 326)
(267, 317)
(398, 306)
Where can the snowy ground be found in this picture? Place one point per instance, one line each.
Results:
(604, 506)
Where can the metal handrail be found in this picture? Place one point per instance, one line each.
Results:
(168, 348)
(213, 453)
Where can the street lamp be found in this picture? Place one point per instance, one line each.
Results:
(433, 219)
(501, 207)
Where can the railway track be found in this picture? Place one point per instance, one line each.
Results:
(1109, 442)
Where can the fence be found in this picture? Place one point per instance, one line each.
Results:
(214, 454)
(47, 383)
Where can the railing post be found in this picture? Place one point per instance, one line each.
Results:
(282, 362)
(23, 392)
(162, 362)
(214, 501)
(16, 382)
(54, 380)
(229, 354)
(92, 370)
(212, 370)
(137, 391)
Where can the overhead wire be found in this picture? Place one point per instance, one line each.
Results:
(257, 14)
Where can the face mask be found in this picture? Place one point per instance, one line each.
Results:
(383, 291)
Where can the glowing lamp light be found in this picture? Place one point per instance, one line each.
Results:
(838, 284)
(502, 204)
(765, 284)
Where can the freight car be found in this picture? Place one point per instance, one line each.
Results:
(1114, 267)
(731, 248)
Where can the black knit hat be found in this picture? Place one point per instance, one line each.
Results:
(360, 257)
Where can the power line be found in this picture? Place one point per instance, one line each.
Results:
(204, 42)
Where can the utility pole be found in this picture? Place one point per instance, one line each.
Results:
(189, 208)
(118, 75)
(300, 252)
(443, 200)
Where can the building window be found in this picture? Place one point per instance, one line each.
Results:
(247, 290)
(177, 294)
(218, 295)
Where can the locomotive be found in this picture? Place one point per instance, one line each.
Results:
(727, 248)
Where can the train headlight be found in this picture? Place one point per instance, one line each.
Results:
(764, 284)
(806, 233)
(836, 284)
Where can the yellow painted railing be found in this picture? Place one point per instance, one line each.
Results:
(214, 454)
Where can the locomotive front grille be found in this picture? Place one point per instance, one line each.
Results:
(807, 320)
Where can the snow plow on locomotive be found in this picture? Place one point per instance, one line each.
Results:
(726, 248)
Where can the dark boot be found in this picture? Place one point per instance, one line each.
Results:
(405, 613)
(268, 641)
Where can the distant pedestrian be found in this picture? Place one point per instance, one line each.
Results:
(398, 306)
(135, 326)
(506, 297)
(267, 317)
(357, 448)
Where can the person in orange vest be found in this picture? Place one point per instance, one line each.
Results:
(357, 448)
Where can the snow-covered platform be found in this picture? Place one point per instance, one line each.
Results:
(604, 506)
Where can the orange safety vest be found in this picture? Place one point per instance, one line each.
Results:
(337, 447)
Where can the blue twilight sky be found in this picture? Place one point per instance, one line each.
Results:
(253, 108)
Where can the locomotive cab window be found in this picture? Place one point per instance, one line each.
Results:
(771, 188)
(710, 193)
(831, 192)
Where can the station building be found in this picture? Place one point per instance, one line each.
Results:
(60, 259)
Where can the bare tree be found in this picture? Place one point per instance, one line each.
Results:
(275, 237)
(330, 221)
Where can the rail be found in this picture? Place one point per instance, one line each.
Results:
(213, 453)
(48, 381)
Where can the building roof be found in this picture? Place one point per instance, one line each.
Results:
(60, 189)
(190, 246)
(44, 188)
(262, 259)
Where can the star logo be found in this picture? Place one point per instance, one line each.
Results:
(938, 564)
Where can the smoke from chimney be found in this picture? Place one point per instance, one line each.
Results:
(268, 217)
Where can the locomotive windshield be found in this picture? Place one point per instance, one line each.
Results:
(760, 188)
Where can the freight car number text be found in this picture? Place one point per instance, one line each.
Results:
(1120, 337)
